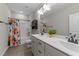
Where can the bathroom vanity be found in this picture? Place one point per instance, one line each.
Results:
(42, 45)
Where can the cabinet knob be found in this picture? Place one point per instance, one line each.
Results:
(39, 51)
(40, 43)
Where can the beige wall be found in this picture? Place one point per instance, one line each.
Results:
(59, 19)
(4, 14)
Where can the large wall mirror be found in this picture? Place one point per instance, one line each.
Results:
(74, 23)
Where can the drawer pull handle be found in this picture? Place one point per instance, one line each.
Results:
(40, 43)
(39, 51)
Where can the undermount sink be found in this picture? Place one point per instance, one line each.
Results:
(70, 46)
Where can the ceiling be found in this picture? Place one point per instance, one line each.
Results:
(54, 8)
(27, 8)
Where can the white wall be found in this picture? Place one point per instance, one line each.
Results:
(4, 14)
(19, 16)
(60, 19)
(37, 17)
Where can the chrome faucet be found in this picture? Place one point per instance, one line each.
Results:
(72, 39)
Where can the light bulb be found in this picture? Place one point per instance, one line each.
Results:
(46, 7)
(40, 12)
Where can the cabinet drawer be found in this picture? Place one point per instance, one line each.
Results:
(52, 51)
(40, 52)
(40, 44)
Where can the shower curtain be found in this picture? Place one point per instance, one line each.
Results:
(14, 32)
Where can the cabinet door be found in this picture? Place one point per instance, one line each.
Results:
(34, 45)
(47, 53)
(52, 51)
(40, 48)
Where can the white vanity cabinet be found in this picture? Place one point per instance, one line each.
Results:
(40, 48)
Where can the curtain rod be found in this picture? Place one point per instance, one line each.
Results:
(21, 20)
(4, 22)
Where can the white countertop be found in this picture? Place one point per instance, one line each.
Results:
(54, 41)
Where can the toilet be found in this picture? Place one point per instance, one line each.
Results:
(28, 43)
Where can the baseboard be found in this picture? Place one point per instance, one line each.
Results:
(3, 52)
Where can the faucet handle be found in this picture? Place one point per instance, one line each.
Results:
(70, 33)
(74, 35)
(66, 37)
(76, 41)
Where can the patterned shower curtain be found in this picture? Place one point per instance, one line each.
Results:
(14, 32)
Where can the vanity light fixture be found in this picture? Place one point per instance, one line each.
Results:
(40, 12)
(45, 8)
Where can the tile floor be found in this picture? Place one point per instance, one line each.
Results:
(21, 50)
